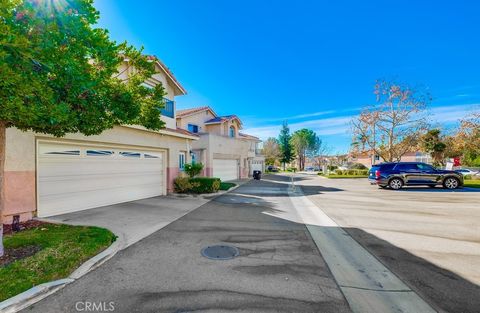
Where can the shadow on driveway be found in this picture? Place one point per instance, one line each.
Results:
(443, 289)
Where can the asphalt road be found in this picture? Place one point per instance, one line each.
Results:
(430, 238)
(279, 268)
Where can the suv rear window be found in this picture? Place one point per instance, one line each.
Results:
(406, 167)
(386, 167)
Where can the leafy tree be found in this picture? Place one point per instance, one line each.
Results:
(286, 149)
(60, 75)
(193, 169)
(395, 123)
(432, 143)
(466, 141)
(271, 151)
(306, 143)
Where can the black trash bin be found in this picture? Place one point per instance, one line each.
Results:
(257, 175)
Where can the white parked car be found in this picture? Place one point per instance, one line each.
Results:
(466, 171)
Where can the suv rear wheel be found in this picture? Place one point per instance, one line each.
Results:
(395, 183)
(451, 183)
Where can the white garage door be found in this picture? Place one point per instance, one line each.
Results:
(73, 177)
(225, 169)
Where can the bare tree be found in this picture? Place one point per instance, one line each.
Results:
(393, 126)
(320, 158)
(271, 151)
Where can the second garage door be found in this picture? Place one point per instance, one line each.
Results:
(76, 177)
(225, 169)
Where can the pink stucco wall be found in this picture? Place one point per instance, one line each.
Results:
(208, 172)
(19, 195)
(243, 172)
(172, 173)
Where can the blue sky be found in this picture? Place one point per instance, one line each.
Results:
(313, 63)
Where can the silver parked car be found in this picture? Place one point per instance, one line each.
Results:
(466, 171)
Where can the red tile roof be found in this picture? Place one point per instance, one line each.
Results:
(185, 112)
(169, 72)
(181, 131)
(248, 136)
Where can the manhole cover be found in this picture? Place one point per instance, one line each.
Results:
(220, 252)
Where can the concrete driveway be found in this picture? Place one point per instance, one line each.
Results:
(133, 221)
(279, 268)
(429, 237)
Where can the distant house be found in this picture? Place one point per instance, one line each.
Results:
(226, 152)
(367, 158)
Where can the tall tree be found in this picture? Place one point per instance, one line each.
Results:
(271, 151)
(286, 149)
(306, 143)
(466, 141)
(395, 123)
(58, 74)
(432, 143)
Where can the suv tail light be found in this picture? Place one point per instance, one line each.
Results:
(377, 174)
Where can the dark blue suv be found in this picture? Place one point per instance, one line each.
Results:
(397, 175)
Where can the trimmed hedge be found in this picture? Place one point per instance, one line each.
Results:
(205, 184)
(196, 185)
(352, 172)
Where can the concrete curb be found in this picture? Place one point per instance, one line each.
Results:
(39, 292)
(32, 295)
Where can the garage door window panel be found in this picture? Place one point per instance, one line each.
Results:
(99, 153)
(130, 154)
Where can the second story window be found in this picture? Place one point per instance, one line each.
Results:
(232, 132)
(193, 128)
(169, 109)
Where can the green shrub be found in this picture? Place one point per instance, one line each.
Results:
(358, 166)
(339, 172)
(193, 169)
(332, 167)
(291, 169)
(182, 184)
(205, 184)
(363, 172)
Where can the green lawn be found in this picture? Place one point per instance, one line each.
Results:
(472, 183)
(226, 186)
(345, 176)
(63, 249)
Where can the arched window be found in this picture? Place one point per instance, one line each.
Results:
(232, 132)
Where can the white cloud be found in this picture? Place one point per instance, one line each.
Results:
(325, 126)
(451, 113)
(340, 125)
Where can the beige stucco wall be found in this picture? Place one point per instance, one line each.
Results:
(215, 129)
(20, 163)
(196, 119)
(215, 146)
